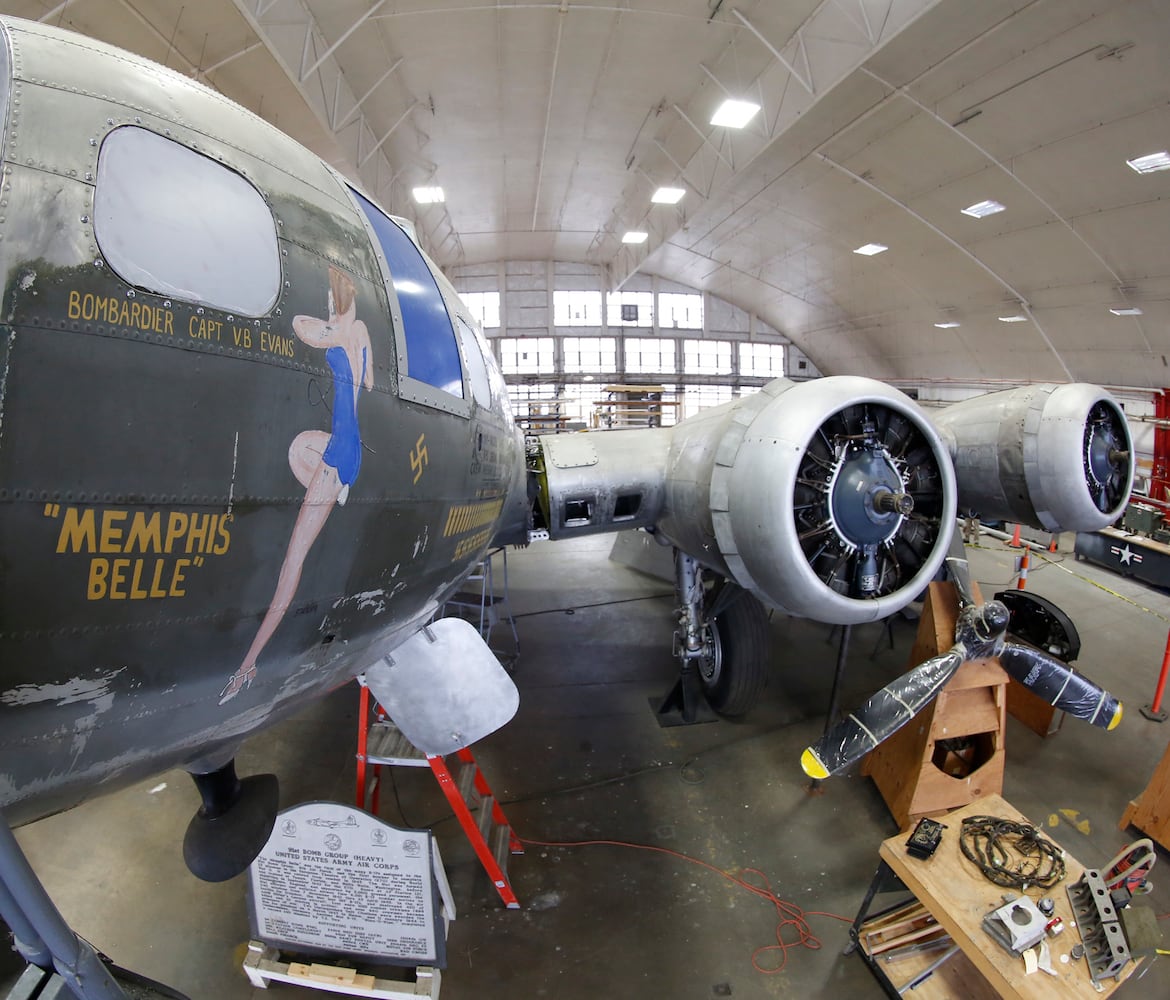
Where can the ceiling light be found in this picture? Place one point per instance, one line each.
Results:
(1017, 318)
(1151, 162)
(950, 324)
(734, 114)
(1125, 311)
(428, 195)
(634, 237)
(871, 248)
(668, 196)
(982, 208)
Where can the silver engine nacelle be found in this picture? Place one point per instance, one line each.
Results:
(1057, 457)
(832, 499)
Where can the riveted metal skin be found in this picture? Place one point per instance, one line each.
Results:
(207, 517)
(1056, 457)
(147, 500)
(732, 478)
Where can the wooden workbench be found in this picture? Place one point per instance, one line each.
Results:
(958, 896)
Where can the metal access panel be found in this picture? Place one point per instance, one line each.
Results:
(1130, 555)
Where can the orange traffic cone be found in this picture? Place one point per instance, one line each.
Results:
(1015, 542)
(1052, 543)
(1022, 582)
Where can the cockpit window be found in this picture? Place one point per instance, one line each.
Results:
(432, 355)
(177, 223)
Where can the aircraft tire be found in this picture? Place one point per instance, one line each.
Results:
(735, 675)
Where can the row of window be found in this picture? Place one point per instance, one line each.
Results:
(643, 356)
(579, 403)
(676, 310)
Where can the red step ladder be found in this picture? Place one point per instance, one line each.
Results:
(381, 744)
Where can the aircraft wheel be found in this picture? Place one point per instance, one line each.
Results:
(735, 673)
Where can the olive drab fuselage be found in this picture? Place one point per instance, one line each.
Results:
(217, 434)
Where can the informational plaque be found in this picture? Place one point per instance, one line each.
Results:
(333, 879)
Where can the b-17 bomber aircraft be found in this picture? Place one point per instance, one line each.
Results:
(251, 440)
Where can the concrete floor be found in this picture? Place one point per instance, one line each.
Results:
(586, 760)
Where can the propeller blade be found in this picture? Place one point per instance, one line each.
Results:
(1059, 685)
(881, 716)
(979, 633)
(959, 570)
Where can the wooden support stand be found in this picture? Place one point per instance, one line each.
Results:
(1150, 811)
(917, 770)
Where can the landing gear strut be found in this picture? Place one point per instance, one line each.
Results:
(721, 644)
(60, 964)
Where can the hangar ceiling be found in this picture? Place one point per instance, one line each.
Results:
(550, 124)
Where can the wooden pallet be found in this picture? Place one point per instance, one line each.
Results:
(262, 965)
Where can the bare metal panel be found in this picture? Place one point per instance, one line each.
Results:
(732, 477)
(1041, 455)
(604, 480)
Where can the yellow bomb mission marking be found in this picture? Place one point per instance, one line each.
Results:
(468, 516)
(158, 548)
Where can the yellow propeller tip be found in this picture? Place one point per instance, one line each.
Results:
(1116, 720)
(812, 765)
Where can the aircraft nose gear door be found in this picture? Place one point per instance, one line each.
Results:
(721, 644)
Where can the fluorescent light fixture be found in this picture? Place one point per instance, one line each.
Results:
(871, 248)
(428, 195)
(950, 324)
(1125, 311)
(1017, 318)
(982, 208)
(734, 114)
(668, 196)
(634, 237)
(1151, 162)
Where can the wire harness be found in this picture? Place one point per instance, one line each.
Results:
(1011, 854)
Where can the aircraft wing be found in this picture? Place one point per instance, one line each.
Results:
(835, 499)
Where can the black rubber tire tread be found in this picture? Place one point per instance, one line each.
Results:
(742, 630)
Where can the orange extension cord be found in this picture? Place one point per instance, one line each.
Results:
(790, 915)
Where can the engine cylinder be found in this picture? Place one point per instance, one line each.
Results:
(832, 499)
(1057, 457)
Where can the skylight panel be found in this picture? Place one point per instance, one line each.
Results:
(734, 114)
(870, 249)
(1151, 162)
(982, 208)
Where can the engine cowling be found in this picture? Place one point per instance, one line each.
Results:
(832, 499)
(1057, 457)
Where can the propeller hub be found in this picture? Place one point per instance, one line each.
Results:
(1106, 457)
(981, 628)
(868, 498)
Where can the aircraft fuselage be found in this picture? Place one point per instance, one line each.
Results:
(248, 435)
